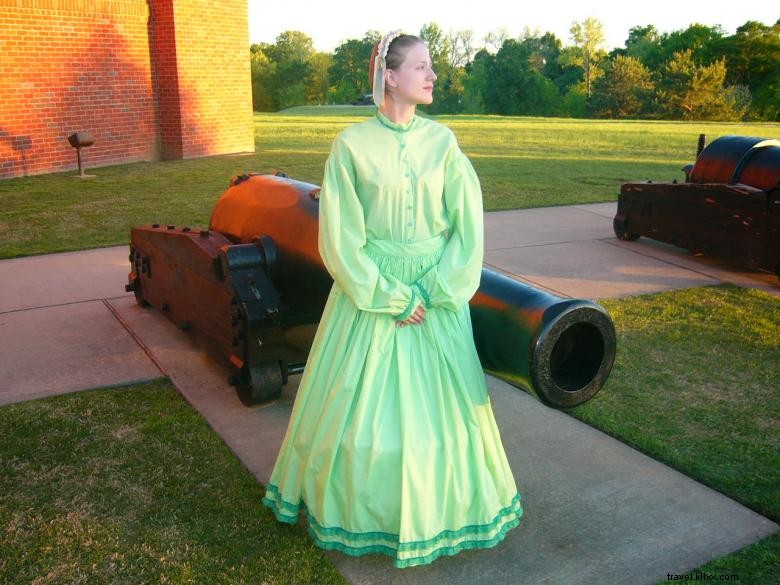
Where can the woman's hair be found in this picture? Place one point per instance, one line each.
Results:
(396, 53)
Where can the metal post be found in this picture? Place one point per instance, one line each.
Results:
(78, 157)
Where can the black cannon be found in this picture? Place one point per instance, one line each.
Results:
(252, 288)
(728, 206)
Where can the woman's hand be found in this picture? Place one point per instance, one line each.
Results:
(416, 317)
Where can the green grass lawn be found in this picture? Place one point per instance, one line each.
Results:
(521, 162)
(131, 485)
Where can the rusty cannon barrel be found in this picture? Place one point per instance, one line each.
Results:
(727, 207)
(562, 349)
(261, 286)
(739, 159)
(287, 212)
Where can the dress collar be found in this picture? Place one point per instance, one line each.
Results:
(398, 127)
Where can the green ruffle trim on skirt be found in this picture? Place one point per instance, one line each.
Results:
(447, 542)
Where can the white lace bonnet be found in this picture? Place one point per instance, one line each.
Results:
(380, 65)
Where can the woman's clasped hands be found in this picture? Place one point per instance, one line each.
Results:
(417, 317)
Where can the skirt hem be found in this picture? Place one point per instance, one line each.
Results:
(347, 542)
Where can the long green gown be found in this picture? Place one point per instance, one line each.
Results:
(392, 446)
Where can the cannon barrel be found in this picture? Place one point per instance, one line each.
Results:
(561, 349)
(739, 159)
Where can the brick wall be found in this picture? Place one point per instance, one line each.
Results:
(173, 83)
(215, 87)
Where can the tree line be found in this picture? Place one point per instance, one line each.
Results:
(699, 73)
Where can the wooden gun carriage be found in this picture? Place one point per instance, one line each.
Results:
(728, 206)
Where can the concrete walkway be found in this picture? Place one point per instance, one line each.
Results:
(596, 510)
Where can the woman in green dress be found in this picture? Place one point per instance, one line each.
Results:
(392, 446)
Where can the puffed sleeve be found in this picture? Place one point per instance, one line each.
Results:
(453, 281)
(341, 238)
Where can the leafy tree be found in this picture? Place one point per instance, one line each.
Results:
(319, 79)
(291, 45)
(695, 73)
(753, 59)
(588, 37)
(494, 40)
(439, 44)
(696, 92)
(698, 38)
(544, 53)
(575, 102)
(349, 68)
(624, 91)
(449, 92)
(571, 73)
(263, 71)
(644, 43)
(654, 49)
(292, 54)
(476, 82)
(517, 89)
(461, 47)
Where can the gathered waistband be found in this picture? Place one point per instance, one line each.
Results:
(394, 248)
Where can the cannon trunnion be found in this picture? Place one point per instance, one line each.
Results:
(251, 290)
(728, 206)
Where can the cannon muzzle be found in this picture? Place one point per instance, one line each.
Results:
(562, 349)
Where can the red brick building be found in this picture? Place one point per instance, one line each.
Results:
(150, 79)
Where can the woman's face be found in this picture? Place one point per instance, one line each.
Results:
(413, 82)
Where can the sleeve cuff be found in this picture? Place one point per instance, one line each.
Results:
(409, 309)
(423, 293)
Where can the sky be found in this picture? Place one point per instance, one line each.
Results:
(329, 23)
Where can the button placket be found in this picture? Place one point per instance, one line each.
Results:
(409, 196)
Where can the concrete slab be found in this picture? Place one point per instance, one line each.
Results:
(592, 269)
(65, 348)
(608, 209)
(596, 510)
(708, 266)
(545, 225)
(55, 279)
